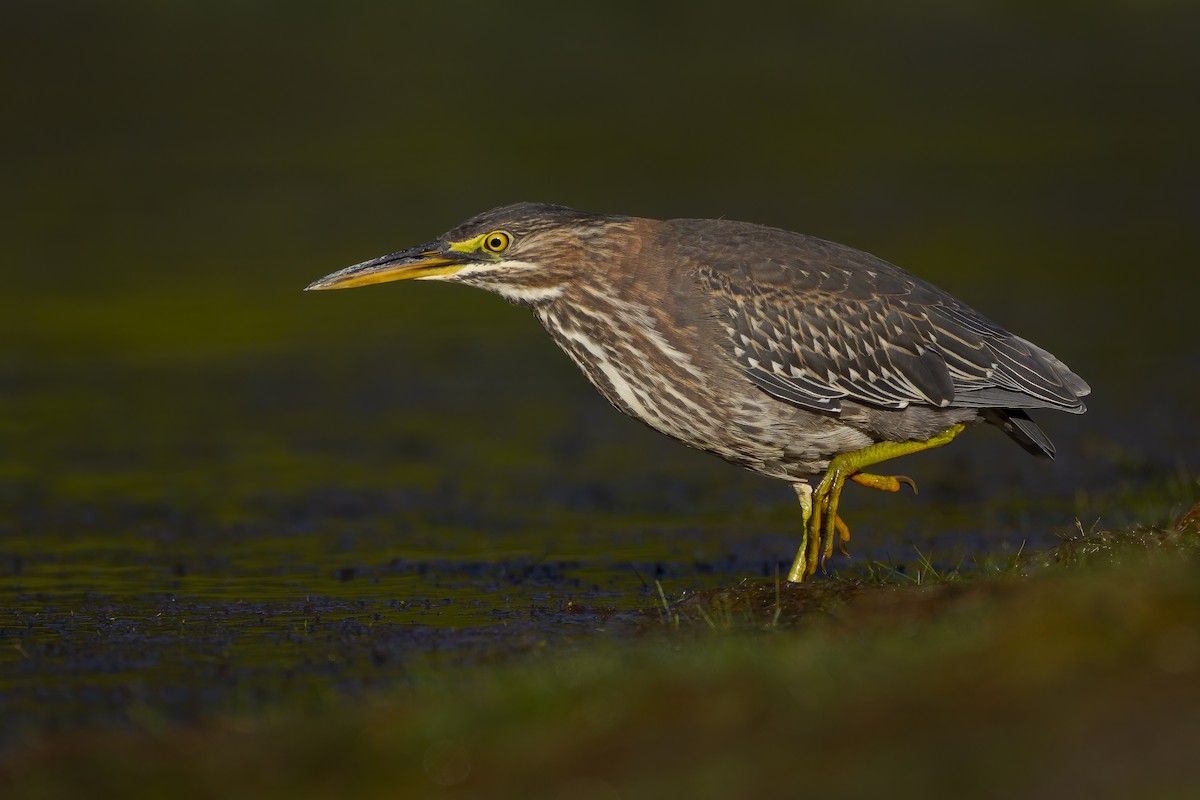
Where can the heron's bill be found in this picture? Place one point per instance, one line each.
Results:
(420, 262)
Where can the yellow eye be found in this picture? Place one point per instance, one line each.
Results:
(497, 241)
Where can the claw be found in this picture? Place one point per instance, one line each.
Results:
(843, 536)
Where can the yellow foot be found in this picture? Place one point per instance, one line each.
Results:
(809, 552)
(822, 525)
(884, 483)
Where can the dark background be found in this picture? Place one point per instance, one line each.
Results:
(174, 173)
(179, 419)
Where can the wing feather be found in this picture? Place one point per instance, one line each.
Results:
(814, 322)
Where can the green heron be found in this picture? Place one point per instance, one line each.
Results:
(786, 354)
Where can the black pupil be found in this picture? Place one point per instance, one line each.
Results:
(496, 242)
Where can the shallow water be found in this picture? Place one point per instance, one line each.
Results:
(217, 492)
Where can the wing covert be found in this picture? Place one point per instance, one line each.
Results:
(818, 322)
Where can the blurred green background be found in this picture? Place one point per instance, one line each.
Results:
(180, 420)
(175, 172)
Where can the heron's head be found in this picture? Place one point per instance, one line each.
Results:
(526, 252)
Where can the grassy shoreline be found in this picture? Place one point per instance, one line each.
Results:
(1071, 670)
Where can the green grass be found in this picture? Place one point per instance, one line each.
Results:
(1070, 672)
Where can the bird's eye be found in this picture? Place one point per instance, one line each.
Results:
(497, 241)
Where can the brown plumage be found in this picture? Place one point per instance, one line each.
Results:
(783, 353)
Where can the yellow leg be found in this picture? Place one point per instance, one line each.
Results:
(799, 568)
(822, 523)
